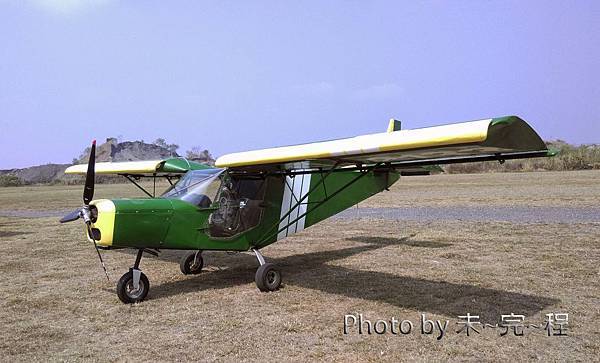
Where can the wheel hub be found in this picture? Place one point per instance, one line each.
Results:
(134, 293)
(271, 277)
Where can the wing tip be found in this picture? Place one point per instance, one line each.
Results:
(507, 120)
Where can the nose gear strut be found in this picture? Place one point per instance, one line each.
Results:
(133, 286)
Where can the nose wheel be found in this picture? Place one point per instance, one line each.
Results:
(131, 292)
(268, 277)
(133, 286)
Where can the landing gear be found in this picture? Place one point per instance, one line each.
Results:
(134, 285)
(268, 277)
(126, 287)
(192, 263)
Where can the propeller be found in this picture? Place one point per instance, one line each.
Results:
(88, 189)
(73, 216)
(88, 195)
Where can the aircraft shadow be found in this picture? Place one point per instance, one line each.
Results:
(8, 225)
(6, 234)
(312, 271)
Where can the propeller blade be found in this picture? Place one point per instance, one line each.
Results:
(73, 216)
(88, 190)
(89, 228)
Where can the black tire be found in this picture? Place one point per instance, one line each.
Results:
(125, 291)
(189, 265)
(267, 278)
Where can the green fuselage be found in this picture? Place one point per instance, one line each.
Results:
(269, 213)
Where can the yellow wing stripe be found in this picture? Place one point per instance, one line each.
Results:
(146, 166)
(455, 134)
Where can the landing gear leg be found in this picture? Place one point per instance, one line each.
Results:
(134, 285)
(267, 278)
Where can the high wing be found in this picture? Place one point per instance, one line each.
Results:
(500, 139)
(147, 167)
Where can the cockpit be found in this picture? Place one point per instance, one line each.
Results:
(237, 204)
(196, 187)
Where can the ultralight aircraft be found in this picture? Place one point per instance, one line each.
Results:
(252, 199)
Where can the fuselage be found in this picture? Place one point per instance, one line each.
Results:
(244, 213)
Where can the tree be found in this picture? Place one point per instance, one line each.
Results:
(10, 181)
(197, 153)
(160, 142)
(172, 148)
(163, 143)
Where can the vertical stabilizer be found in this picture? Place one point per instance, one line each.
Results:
(394, 125)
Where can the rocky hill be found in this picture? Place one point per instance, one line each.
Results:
(48, 173)
(111, 150)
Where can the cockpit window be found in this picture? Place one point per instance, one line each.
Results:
(197, 187)
(240, 208)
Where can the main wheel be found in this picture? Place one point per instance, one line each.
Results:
(267, 278)
(127, 293)
(191, 264)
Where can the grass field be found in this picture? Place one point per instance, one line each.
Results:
(56, 304)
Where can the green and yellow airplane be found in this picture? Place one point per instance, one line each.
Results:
(253, 199)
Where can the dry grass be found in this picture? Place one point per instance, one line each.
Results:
(561, 189)
(66, 197)
(55, 303)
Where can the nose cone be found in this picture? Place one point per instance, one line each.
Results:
(104, 226)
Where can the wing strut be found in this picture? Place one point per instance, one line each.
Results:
(132, 180)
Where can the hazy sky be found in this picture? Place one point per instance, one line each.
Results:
(233, 76)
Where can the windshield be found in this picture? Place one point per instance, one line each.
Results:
(196, 187)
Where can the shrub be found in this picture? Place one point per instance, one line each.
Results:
(8, 180)
(569, 158)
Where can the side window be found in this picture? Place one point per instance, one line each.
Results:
(197, 187)
(240, 207)
(211, 193)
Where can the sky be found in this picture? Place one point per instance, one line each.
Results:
(240, 75)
